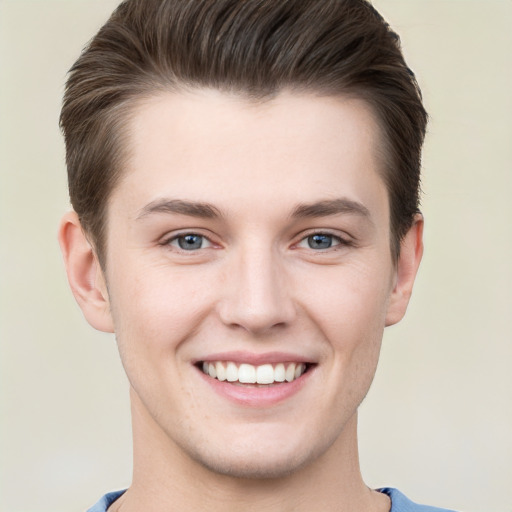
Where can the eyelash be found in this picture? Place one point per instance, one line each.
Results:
(174, 241)
(336, 241)
(182, 236)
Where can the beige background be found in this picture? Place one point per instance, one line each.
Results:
(438, 422)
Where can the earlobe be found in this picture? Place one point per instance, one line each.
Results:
(84, 273)
(411, 251)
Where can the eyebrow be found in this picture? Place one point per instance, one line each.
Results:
(331, 207)
(192, 209)
(323, 208)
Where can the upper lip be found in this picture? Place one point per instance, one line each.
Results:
(254, 358)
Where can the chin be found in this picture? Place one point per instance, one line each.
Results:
(254, 459)
(248, 466)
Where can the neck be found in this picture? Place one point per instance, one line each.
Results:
(167, 479)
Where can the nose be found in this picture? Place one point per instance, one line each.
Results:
(257, 295)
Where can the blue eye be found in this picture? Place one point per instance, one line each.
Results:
(190, 242)
(320, 241)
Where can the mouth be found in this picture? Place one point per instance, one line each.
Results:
(244, 374)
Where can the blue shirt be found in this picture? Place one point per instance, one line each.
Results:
(399, 503)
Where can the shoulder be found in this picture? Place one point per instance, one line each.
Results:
(105, 502)
(400, 503)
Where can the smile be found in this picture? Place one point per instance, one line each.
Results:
(244, 373)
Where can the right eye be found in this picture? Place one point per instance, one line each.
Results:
(189, 242)
(321, 241)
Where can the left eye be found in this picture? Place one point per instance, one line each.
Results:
(320, 241)
(190, 242)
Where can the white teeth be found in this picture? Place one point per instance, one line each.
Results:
(290, 373)
(232, 372)
(265, 374)
(221, 371)
(299, 370)
(249, 374)
(279, 373)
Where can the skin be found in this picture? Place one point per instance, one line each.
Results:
(255, 286)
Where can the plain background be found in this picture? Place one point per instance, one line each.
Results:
(438, 421)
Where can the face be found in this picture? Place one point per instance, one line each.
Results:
(249, 274)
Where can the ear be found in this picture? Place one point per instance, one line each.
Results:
(84, 273)
(411, 251)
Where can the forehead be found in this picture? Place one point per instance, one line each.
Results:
(206, 145)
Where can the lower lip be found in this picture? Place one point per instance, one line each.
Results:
(253, 396)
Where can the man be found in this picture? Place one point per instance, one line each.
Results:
(244, 176)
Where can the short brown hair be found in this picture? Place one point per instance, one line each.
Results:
(251, 47)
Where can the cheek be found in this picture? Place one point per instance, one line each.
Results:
(348, 302)
(350, 309)
(156, 308)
